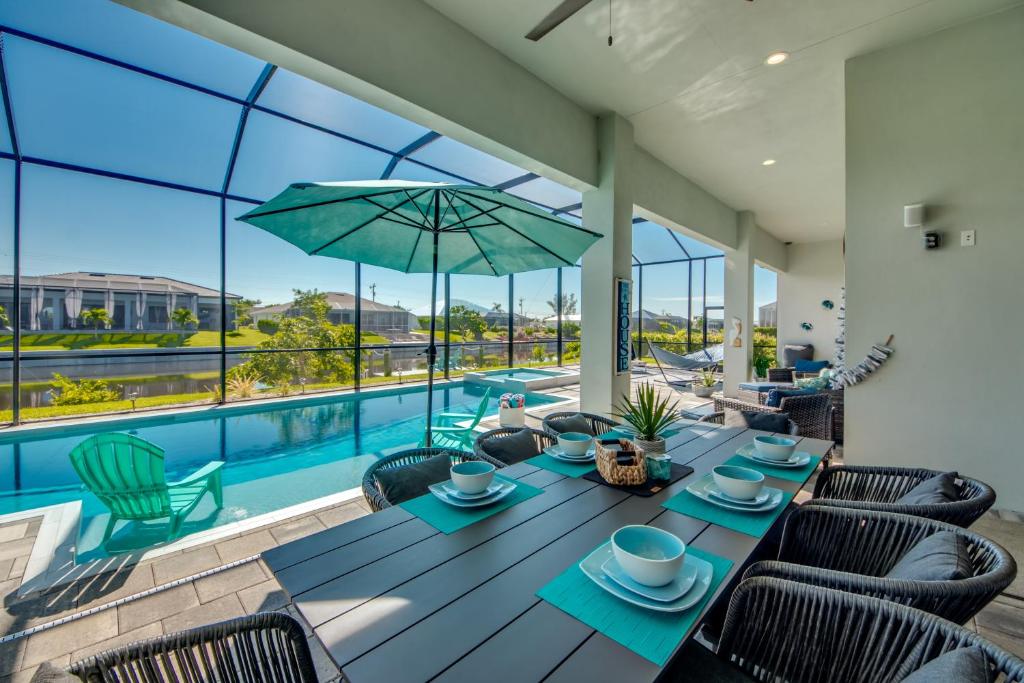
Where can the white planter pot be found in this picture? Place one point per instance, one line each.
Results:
(512, 417)
(702, 391)
(657, 446)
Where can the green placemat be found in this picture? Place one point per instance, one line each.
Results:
(754, 524)
(652, 635)
(797, 474)
(569, 469)
(449, 519)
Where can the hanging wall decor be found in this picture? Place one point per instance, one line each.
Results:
(827, 304)
(842, 376)
(807, 327)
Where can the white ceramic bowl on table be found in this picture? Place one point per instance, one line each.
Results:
(774, 447)
(472, 476)
(650, 556)
(742, 483)
(575, 443)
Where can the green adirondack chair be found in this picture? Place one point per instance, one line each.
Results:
(446, 434)
(127, 474)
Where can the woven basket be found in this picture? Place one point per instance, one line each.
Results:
(621, 475)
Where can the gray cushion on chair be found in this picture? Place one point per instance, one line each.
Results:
(932, 491)
(963, 665)
(399, 484)
(752, 419)
(943, 556)
(512, 448)
(573, 423)
(48, 673)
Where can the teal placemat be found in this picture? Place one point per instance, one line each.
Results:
(449, 519)
(797, 474)
(616, 434)
(754, 524)
(569, 469)
(652, 635)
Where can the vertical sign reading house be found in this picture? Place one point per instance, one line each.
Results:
(621, 325)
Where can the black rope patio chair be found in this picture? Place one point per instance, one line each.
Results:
(813, 412)
(268, 647)
(719, 418)
(783, 630)
(598, 424)
(541, 440)
(867, 487)
(852, 550)
(372, 491)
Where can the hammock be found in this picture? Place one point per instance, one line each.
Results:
(690, 363)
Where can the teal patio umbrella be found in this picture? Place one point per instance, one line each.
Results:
(417, 227)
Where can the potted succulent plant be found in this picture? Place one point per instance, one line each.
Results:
(649, 415)
(704, 385)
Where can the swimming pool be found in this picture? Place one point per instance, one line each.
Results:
(275, 455)
(523, 380)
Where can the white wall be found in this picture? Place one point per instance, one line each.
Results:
(939, 120)
(815, 272)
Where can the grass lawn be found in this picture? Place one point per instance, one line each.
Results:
(70, 341)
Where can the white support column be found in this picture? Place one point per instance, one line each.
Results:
(739, 303)
(609, 211)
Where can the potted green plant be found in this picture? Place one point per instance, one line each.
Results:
(761, 365)
(705, 383)
(649, 415)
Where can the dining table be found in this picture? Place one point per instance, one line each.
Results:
(393, 599)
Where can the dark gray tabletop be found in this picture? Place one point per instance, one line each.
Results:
(392, 599)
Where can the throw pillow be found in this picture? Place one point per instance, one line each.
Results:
(803, 365)
(962, 665)
(775, 396)
(932, 491)
(816, 383)
(768, 422)
(512, 448)
(573, 423)
(940, 557)
(399, 484)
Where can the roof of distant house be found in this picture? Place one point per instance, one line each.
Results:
(341, 301)
(121, 282)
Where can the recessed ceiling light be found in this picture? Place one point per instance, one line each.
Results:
(768, 162)
(776, 58)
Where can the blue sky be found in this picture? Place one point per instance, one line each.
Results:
(80, 111)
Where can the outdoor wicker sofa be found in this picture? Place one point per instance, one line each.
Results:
(541, 440)
(372, 491)
(852, 550)
(719, 418)
(783, 630)
(598, 424)
(866, 487)
(811, 412)
(267, 647)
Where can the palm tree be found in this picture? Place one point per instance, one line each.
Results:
(183, 318)
(97, 317)
(497, 307)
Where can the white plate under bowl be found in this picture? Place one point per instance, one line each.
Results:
(713, 489)
(668, 593)
(591, 567)
(557, 453)
(442, 492)
(700, 487)
(798, 459)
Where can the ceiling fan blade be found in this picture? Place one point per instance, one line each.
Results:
(565, 9)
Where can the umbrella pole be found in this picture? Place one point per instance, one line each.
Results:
(432, 347)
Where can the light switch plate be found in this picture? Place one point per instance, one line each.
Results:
(966, 238)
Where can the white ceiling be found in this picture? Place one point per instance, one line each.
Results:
(690, 76)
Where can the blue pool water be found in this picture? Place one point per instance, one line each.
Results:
(522, 374)
(275, 456)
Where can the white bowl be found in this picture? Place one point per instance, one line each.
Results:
(742, 483)
(472, 476)
(774, 447)
(650, 556)
(575, 443)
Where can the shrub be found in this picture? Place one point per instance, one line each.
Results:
(267, 326)
(68, 392)
(242, 382)
(571, 351)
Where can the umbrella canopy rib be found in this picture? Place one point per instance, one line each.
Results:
(404, 221)
(482, 252)
(412, 252)
(526, 237)
(327, 202)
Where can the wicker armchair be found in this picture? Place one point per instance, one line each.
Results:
(851, 550)
(541, 439)
(269, 647)
(599, 425)
(371, 489)
(782, 630)
(812, 412)
(878, 488)
(719, 418)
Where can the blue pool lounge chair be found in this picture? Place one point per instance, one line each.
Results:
(127, 474)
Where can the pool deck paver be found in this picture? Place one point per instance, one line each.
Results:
(248, 587)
